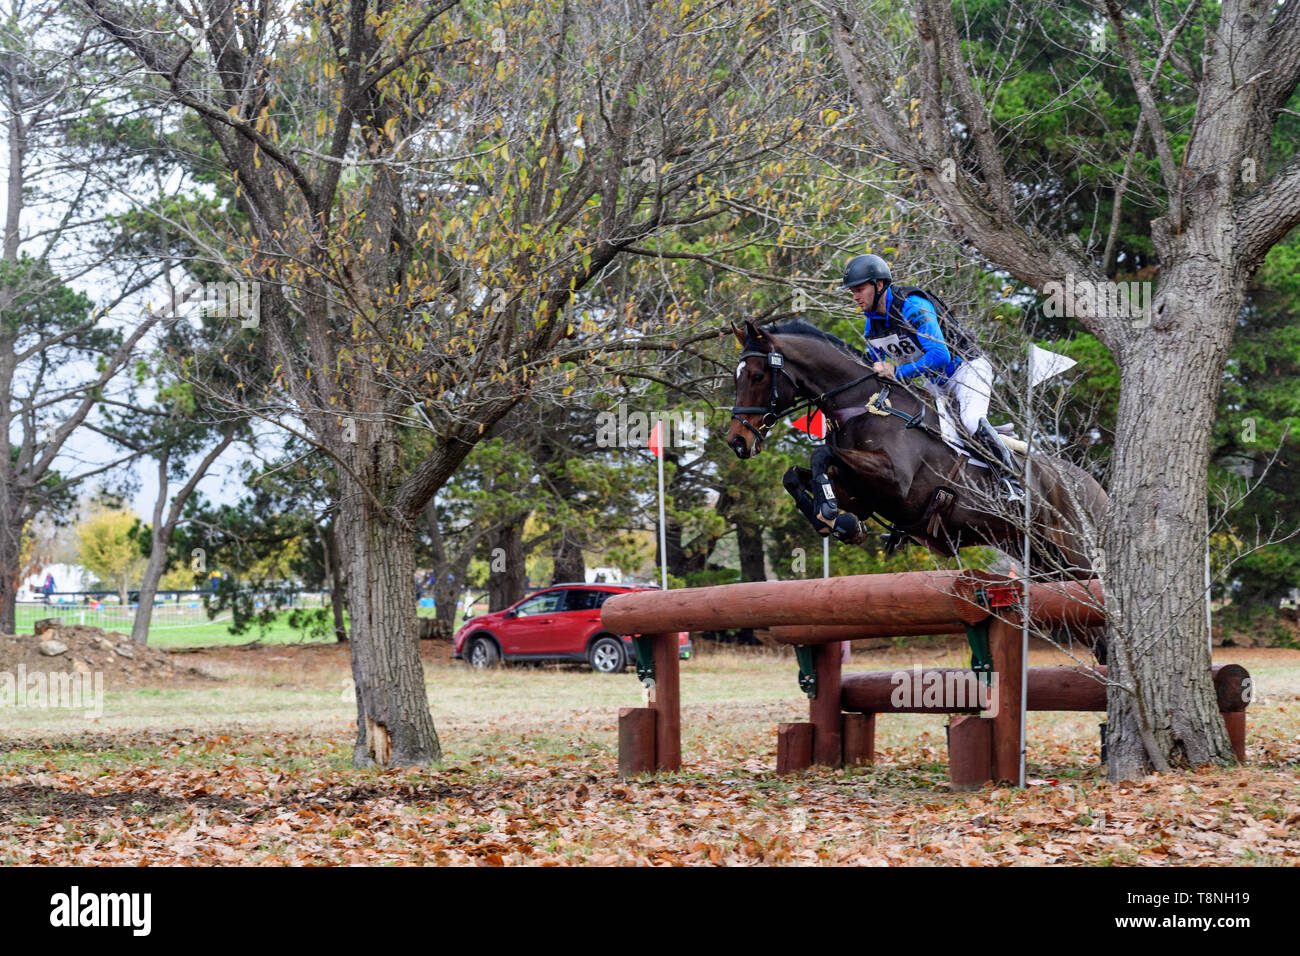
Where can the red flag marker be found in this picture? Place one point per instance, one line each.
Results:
(656, 443)
(816, 428)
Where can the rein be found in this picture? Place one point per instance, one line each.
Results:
(772, 412)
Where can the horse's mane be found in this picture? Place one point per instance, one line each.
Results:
(806, 330)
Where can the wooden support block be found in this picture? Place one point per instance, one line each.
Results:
(1005, 645)
(1236, 723)
(636, 741)
(970, 752)
(859, 739)
(793, 747)
(667, 702)
(824, 709)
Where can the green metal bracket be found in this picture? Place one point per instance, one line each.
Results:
(807, 670)
(645, 659)
(981, 658)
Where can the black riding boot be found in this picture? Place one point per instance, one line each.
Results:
(998, 455)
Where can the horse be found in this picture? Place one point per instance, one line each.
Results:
(885, 455)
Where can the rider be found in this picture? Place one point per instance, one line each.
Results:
(905, 340)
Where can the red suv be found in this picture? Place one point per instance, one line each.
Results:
(561, 623)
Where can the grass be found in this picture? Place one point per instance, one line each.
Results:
(199, 631)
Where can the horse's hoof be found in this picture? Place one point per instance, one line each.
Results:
(848, 529)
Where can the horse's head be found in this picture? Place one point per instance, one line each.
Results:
(764, 389)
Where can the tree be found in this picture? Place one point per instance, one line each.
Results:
(277, 536)
(424, 203)
(59, 355)
(185, 440)
(1225, 198)
(108, 548)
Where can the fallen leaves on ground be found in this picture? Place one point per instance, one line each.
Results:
(288, 799)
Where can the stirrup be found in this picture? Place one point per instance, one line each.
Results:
(1012, 490)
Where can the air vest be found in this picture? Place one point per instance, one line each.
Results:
(960, 344)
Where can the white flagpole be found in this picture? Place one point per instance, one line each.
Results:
(1053, 364)
(1024, 577)
(826, 547)
(826, 541)
(663, 529)
(826, 556)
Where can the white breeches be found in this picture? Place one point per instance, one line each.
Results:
(971, 387)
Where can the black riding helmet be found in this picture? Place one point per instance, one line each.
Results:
(866, 269)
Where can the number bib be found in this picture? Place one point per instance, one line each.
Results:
(900, 351)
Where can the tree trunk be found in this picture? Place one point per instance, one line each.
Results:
(749, 541)
(570, 566)
(338, 581)
(160, 539)
(10, 556)
(447, 581)
(164, 527)
(507, 579)
(1155, 531)
(333, 578)
(153, 573)
(394, 725)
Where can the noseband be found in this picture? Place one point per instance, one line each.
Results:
(775, 363)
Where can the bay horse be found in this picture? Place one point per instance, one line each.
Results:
(884, 456)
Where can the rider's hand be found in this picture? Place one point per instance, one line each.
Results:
(884, 368)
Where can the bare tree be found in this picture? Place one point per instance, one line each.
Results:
(428, 188)
(1220, 215)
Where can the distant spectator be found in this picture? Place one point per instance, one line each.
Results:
(49, 587)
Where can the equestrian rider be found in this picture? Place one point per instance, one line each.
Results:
(905, 340)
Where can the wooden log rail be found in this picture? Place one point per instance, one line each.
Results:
(842, 714)
(908, 602)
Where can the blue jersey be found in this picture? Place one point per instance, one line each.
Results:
(916, 346)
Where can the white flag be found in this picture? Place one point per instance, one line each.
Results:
(1044, 364)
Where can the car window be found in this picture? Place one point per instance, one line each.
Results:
(548, 602)
(581, 599)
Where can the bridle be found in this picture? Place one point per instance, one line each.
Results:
(772, 412)
(775, 363)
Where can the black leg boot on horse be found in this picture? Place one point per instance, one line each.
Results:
(797, 481)
(815, 498)
(845, 526)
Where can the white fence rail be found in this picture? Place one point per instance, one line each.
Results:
(118, 617)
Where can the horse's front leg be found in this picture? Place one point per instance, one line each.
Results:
(844, 525)
(798, 482)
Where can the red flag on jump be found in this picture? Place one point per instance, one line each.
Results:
(816, 428)
(656, 442)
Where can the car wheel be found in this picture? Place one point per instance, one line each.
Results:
(482, 654)
(606, 656)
